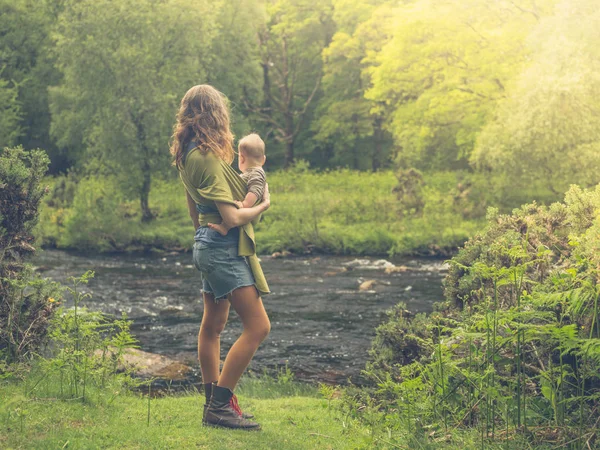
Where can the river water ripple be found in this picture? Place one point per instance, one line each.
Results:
(322, 324)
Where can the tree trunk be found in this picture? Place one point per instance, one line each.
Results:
(266, 85)
(147, 215)
(378, 143)
(289, 152)
(289, 139)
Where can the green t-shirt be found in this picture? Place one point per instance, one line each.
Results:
(209, 179)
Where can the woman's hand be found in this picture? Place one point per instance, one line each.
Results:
(266, 198)
(237, 217)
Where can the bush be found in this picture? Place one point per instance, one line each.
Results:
(26, 301)
(86, 350)
(98, 217)
(83, 348)
(514, 350)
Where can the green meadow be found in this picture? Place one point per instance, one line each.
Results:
(337, 212)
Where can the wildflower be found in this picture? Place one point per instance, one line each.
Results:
(51, 300)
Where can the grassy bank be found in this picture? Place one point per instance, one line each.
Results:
(290, 422)
(292, 416)
(340, 212)
(72, 393)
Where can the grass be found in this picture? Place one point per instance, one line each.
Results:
(336, 212)
(292, 415)
(288, 422)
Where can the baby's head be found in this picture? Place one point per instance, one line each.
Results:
(251, 150)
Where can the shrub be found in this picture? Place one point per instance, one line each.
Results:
(98, 217)
(514, 350)
(26, 301)
(86, 349)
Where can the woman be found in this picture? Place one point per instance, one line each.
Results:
(202, 148)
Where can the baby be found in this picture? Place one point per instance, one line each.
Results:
(251, 158)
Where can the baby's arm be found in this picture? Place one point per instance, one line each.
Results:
(256, 186)
(249, 201)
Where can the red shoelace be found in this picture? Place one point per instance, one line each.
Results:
(234, 404)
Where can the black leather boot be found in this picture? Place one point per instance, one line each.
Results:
(223, 411)
(208, 392)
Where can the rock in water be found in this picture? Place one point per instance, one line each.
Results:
(396, 269)
(367, 264)
(357, 263)
(382, 264)
(366, 285)
(282, 254)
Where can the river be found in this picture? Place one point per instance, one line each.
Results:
(322, 324)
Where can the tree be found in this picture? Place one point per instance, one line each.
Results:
(295, 34)
(345, 120)
(548, 129)
(440, 76)
(235, 54)
(26, 71)
(125, 67)
(10, 115)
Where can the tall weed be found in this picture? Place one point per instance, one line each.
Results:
(84, 357)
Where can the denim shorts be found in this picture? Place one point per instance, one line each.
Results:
(222, 269)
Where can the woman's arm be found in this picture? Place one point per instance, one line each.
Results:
(192, 210)
(234, 217)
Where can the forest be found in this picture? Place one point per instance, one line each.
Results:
(468, 104)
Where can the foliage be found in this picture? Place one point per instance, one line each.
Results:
(118, 98)
(548, 128)
(233, 58)
(428, 84)
(338, 211)
(25, 300)
(339, 83)
(97, 215)
(10, 115)
(27, 68)
(86, 350)
(345, 120)
(513, 351)
(442, 71)
(409, 190)
(291, 42)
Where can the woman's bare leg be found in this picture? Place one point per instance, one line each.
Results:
(209, 338)
(249, 306)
